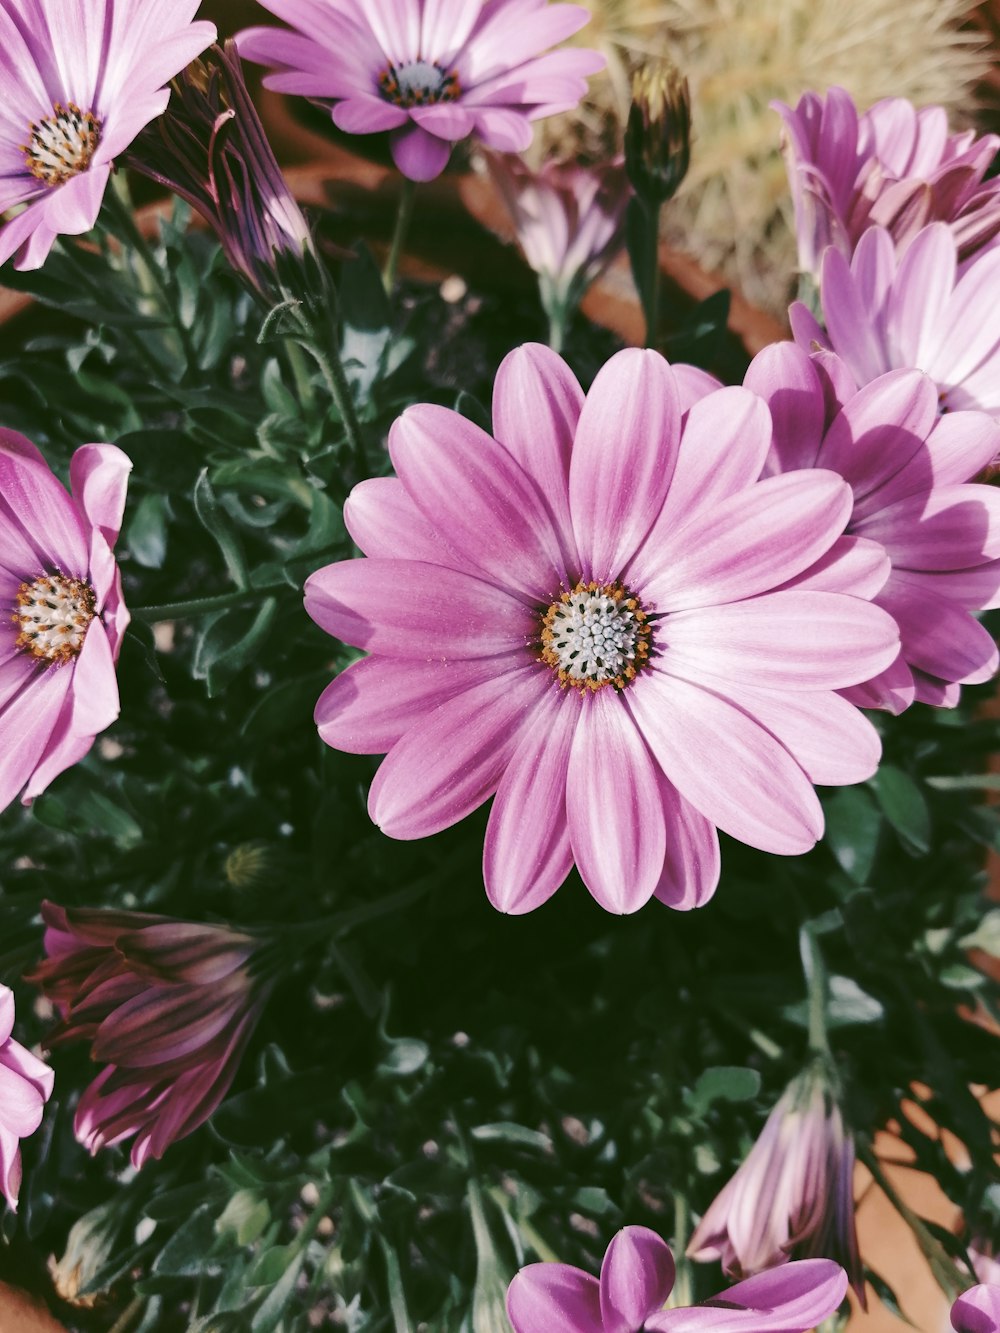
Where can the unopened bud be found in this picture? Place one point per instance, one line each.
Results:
(658, 133)
(254, 865)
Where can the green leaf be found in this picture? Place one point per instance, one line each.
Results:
(405, 1056)
(245, 1217)
(366, 318)
(986, 935)
(145, 532)
(219, 526)
(727, 1083)
(269, 1314)
(904, 806)
(186, 1250)
(853, 822)
(506, 1131)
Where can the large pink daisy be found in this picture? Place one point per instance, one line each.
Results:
(598, 616)
(78, 81)
(429, 71)
(64, 620)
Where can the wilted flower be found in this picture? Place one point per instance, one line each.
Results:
(210, 148)
(637, 1276)
(617, 642)
(431, 72)
(893, 167)
(922, 311)
(907, 466)
(793, 1196)
(60, 637)
(977, 1310)
(169, 1005)
(569, 221)
(658, 133)
(79, 83)
(25, 1087)
(90, 1247)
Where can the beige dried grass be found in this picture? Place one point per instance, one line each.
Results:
(734, 212)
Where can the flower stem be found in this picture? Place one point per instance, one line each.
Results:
(327, 356)
(400, 231)
(203, 606)
(682, 1294)
(643, 234)
(815, 972)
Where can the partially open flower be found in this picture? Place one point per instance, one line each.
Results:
(431, 72)
(210, 148)
(25, 1087)
(64, 621)
(893, 167)
(637, 1276)
(658, 133)
(169, 1005)
(80, 82)
(793, 1196)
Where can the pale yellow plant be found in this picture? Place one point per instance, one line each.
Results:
(734, 211)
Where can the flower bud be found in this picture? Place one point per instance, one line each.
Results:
(658, 133)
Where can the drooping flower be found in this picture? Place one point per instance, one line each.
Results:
(65, 617)
(637, 1276)
(923, 311)
(25, 1087)
(80, 79)
(910, 470)
(431, 72)
(793, 1196)
(209, 146)
(893, 167)
(169, 1005)
(569, 220)
(598, 616)
(977, 1310)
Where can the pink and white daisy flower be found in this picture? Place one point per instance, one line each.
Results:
(637, 1276)
(25, 1087)
(893, 167)
(910, 470)
(597, 614)
(923, 311)
(431, 72)
(78, 81)
(60, 638)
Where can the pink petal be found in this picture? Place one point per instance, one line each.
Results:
(95, 685)
(6, 1013)
(370, 705)
(692, 863)
(63, 750)
(891, 689)
(852, 564)
(938, 637)
(753, 541)
(32, 497)
(360, 114)
(384, 521)
(545, 1297)
(74, 206)
(785, 377)
(503, 129)
(28, 1067)
(619, 850)
(10, 1170)
(451, 762)
(636, 1278)
(527, 854)
(446, 121)
(418, 155)
(474, 490)
(977, 1310)
(623, 459)
(953, 527)
(25, 728)
(730, 769)
(405, 608)
(920, 294)
(536, 407)
(849, 321)
(693, 384)
(21, 1104)
(960, 446)
(833, 742)
(792, 1298)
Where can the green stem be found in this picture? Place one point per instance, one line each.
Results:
(203, 606)
(682, 1294)
(121, 208)
(557, 329)
(128, 1315)
(404, 215)
(815, 972)
(300, 374)
(653, 270)
(332, 370)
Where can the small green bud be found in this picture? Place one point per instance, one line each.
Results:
(658, 133)
(254, 865)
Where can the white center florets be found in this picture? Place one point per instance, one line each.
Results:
(419, 83)
(595, 635)
(61, 145)
(53, 614)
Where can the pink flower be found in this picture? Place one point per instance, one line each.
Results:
(569, 221)
(923, 311)
(598, 616)
(25, 1087)
(637, 1276)
(170, 1005)
(65, 617)
(909, 470)
(80, 79)
(977, 1310)
(893, 167)
(429, 71)
(793, 1196)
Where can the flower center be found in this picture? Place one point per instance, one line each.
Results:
(62, 144)
(53, 614)
(596, 635)
(419, 84)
